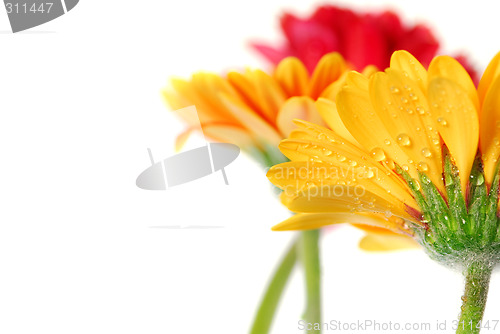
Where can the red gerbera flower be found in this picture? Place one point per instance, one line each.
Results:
(362, 38)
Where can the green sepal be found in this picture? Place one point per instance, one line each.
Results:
(477, 196)
(491, 232)
(456, 199)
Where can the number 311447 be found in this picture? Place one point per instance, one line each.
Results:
(25, 8)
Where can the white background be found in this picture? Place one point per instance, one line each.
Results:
(79, 104)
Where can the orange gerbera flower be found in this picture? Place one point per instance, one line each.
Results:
(254, 109)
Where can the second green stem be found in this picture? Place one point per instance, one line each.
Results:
(310, 257)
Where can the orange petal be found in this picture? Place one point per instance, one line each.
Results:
(270, 95)
(230, 134)
(328, 70)
(250, 120)
(297, 108)
(293, 77)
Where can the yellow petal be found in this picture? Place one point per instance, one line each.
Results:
(403, 109)
(328, 111)
(404, 62)
(328, 70)
(250, 120)
(359, 117)
(457, 122)
(293, 77)
(337, 169)
(326, 145)
(490, 74)
(331, 91)
(490, 130)
(298, 107)
(311, 221)
(449, 68)
(330, 197)
(369, 70)
(382, 243)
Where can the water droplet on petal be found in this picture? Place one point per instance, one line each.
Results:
(404, 139)
(426, 152)
(442, 121)
(394, 89)
(423, 166)
(387, 142)
(378, 154)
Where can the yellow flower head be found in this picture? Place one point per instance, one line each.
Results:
(423, 161)
(254, 109)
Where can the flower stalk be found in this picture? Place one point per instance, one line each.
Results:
(267, 309)
(309, 252)
(477, 281)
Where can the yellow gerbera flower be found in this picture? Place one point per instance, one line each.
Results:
(254, 109)
(404, 121)
(423, 163)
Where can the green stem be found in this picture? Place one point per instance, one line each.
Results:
(272, 296)
(309, 252)
(477, 281)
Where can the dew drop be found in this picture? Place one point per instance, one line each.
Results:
(370, 174)
(442, 121)
(426, 152)
(404, 139)
(425, 179)
(423, 166)
(387, 142)
(435, 141)
(405, 167)
(448, 180)
(378, 154)
(480, 179)
(404, 100)
(394, 90)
